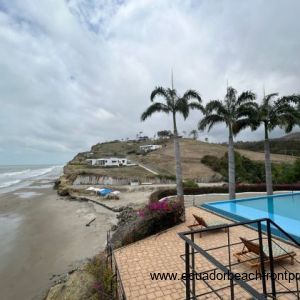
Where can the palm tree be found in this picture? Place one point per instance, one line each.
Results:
(194, 134)
(174, 105)
(271, 113)
(232, 111)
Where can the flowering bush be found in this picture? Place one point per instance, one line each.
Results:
(153, 218)
(162, 206)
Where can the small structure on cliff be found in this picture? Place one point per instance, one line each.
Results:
(148, 148)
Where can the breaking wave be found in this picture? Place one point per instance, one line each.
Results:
(15, 175)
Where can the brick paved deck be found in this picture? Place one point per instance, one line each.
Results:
(161, 253)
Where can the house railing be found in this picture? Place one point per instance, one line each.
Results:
(269, 287)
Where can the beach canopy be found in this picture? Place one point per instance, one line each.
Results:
(115, 192)
(104, 192)
(92, 189)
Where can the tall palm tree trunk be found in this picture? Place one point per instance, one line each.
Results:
(231, 166)
(179, 185)
(268, 167)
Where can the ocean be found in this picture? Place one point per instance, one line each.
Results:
(15, 177)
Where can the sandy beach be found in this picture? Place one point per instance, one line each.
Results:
(43, 235)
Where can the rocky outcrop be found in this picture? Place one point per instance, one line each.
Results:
(63, 185)
(126, 215)
(79, 286)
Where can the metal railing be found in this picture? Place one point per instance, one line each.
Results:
(117, 288)
(269, 288)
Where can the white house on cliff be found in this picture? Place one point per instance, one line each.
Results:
(148, 148)
(110, 162)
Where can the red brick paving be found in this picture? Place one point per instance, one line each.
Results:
(161, 253)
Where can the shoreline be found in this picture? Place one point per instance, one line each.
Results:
(45, 236)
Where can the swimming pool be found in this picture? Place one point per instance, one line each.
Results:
(283, 209)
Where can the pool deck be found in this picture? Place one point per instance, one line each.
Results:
(161, 253)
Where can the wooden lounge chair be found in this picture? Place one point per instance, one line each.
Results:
(200, 222)
(250, 253)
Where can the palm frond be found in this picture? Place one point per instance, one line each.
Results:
(217, 106)
(245, 97)
(209, 121)
(192, 94)
(295, 99)
(159, 91)
(244, 123)
(288, 123)
(248, 109)
(288, 119)
(172, 98)
(283, 114)
(231, 94)
(172, 94)
(182, 107)
(268, 98)
(153, 108)
(198, 106)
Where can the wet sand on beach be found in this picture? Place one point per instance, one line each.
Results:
(41, 235)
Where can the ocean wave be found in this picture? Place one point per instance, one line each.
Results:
(11, 177)
(28, 173)
(9, 183)
(16, 173)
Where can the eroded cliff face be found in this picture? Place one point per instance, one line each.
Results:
(64, 184)
(100, 180)
(109, 180)
(79, 286)
(155, 167)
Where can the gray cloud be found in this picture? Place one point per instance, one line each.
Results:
(77, 72)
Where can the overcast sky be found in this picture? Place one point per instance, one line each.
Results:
(77, 72)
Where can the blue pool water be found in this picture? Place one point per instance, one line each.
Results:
(282, 209)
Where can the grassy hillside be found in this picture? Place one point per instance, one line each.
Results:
(288, 144)
(192, 152)
(160, 161)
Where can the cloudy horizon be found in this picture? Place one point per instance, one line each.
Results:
(74, 73)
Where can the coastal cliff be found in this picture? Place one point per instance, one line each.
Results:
(149, 167)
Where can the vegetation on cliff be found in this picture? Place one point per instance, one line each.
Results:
(248, 171)
(160, 161)
(288, 145)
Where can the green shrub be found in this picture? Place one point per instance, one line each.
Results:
(249, 171)
(190, 184)
(246, 170)
(166, 177)
(132, 152)
(240, 188)
(297, 170)
(212, 161)
(286, 173)
(105, 286)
